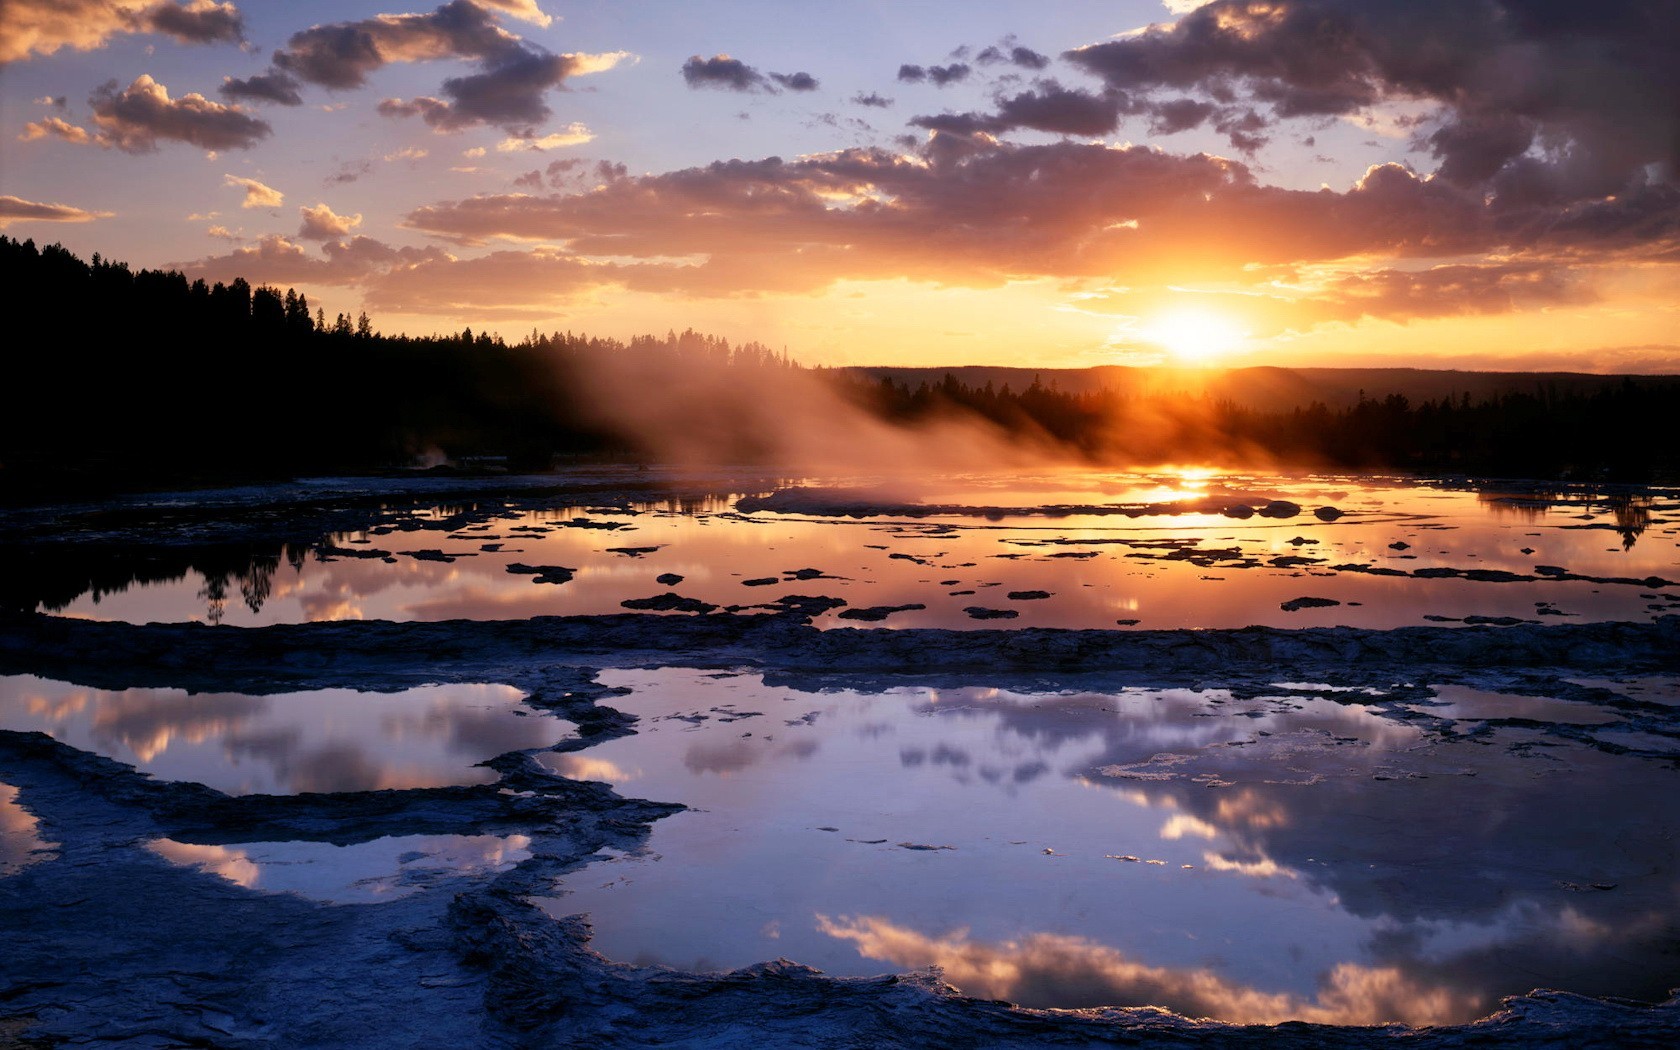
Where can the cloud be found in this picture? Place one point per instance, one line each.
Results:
(968, 210)
(197, 22)
(16, 209)
(1538, 102)
(55, 128)
(939, 75)
(1045, 969)
(524, 10)
(42, 27)
(1024, 57)
(320, 223)
(795, 81)
(571, 135)
(257, 195)
(731, 74)
(272, 86)
(872, 99)
(1308, 296)
(1048, 107)
(1051, 211)
(508, 94)
(136, 118)
(507, 90)
(349, 172)
(276, 260)
(341, 55)
(1179, 114)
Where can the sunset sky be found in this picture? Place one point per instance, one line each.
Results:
(1440, 183)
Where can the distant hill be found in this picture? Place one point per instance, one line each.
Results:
(1271, 388)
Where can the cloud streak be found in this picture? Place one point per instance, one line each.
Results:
(731, 74)
(16, 209)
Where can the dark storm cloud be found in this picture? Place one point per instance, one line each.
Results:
(1540, 101)
(136, 118)
(272, 86)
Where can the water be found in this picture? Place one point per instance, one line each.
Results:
(1106, 550)
(383, 869)
(286, 743)
(21, 844)
(1299, 851)
(1315, 854)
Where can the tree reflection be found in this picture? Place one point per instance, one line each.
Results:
(1630, 511)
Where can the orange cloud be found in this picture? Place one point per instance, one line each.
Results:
(42, 27)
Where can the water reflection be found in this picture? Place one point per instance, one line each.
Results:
(319, 740)
(1257, 858)
(20, 842)
(1106, 550)
(365, 872)
(1055, 970)
(1630, 512)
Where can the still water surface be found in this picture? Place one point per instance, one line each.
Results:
(1315, 854)
(1072, 550)
(286, 743)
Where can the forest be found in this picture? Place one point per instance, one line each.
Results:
(139, 378)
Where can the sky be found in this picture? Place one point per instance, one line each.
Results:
(1432, 183)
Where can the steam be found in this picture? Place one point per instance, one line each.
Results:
(692, 410)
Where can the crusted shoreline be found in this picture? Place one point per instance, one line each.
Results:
(176, 956)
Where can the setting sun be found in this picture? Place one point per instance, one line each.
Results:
(1194, 336)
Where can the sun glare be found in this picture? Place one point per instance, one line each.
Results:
(1194, 336)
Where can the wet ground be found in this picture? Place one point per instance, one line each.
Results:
(368, 834)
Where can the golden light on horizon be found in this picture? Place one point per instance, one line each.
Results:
(1194, 336)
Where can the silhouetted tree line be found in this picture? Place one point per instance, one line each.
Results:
(144, 377)
(1618, 433)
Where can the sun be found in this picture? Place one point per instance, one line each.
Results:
(1194, 336)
